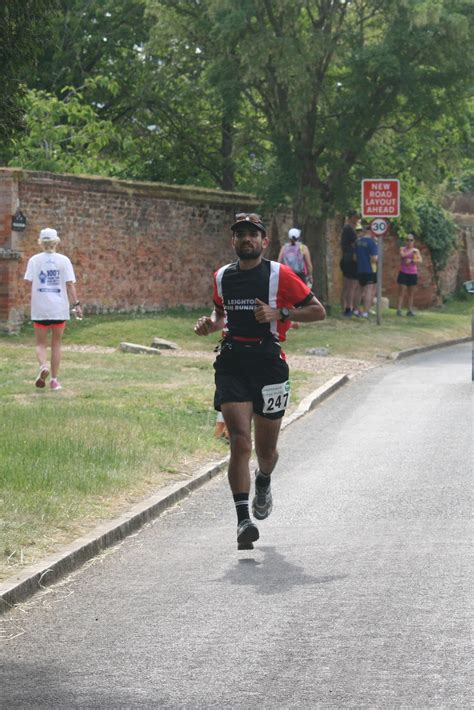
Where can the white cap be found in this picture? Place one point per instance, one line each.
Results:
(49, 235)
(294, 233)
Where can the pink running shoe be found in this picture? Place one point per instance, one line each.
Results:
(54, 384)
(42, 376)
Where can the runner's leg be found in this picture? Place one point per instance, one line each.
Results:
(266, 440)
(238, 419)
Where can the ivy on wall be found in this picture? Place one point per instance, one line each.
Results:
(438, 232)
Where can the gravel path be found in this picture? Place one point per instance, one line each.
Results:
(319, 365)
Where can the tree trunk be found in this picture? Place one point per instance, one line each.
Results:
(310, 214)
(314, 235)
(227, 142)
(275, 245)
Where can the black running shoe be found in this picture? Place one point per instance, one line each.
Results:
(262, 503)
(247, 532)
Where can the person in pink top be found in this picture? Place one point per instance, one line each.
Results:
(407, 279)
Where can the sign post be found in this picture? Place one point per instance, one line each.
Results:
(379, 228)
(380, 200)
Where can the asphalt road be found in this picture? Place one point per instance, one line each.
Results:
(356, 596)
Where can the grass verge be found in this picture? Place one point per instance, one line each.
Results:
(125, 425)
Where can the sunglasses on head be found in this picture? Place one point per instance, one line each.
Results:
(241, 216)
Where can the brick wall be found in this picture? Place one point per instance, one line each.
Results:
(147, 246)
(133, 245)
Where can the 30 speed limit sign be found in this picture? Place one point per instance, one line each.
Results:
(379, 227)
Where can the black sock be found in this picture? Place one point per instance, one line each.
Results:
(262, 480)
(241, 501)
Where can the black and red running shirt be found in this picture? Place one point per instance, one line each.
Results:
(235, 291)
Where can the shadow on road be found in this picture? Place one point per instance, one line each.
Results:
(273, 574)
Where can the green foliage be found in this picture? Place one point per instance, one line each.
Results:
(23, 27)
(464, 182)
(65, 135)
(438, 232)
(296, 100)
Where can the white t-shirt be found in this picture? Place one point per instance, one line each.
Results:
(49, 273)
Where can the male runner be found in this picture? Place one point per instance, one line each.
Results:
(254, 301)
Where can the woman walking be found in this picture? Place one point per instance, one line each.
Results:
(408, 274)
(52, 281)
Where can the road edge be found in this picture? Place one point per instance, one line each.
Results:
(424, 348)
(36, 577)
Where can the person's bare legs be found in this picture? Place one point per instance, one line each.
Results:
(346, 293)
(401, 294)
(56, 337)
(373, 293)
(238, 419)
(349, 293)
(411, 295)
(354, 293)
(366, 294)
(266, 440)
(41, 339)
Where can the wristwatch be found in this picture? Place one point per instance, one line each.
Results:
(285, 314)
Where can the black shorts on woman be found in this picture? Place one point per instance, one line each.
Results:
(404, 279)
(348, 267)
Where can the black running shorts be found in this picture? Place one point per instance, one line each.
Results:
(365, 279)
(349, 268)
(407, 279)
(262, 380)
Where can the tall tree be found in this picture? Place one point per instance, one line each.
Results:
(23, 26)
(184, 39)
(331, 76)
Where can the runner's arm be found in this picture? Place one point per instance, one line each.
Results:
(210, 324)
(312, 311)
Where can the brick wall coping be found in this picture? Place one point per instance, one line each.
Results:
(114, 185)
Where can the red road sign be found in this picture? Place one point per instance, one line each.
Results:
(380, 198)
(379, 226)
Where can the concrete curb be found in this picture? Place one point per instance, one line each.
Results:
(36, 577)
(424, 348)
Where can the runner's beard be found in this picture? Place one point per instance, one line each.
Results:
(246, 252)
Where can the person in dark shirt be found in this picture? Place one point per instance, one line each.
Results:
(254, 302)
(348, 264)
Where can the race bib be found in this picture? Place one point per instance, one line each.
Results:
(276, 397)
